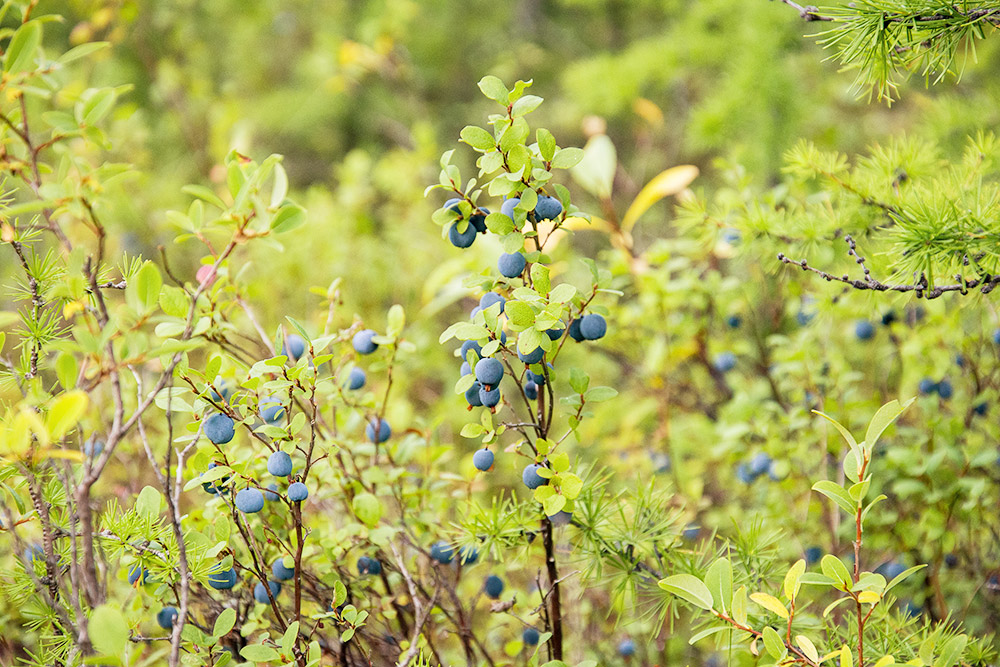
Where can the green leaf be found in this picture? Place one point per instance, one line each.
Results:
(885, 416)
(598, 394)
(540, 278)
(288, 639)
(224, 622)
(951, 652)
(494, 89)
(478, 138)
(688, 588)
(147, 284)
(553, 504)
(259, 653)
(205, 194)
(108, 630)
(898, 579)
(571, 486)
(288, 217)
(23, 46)
(66, 368)
(596, 171)
(97, 105)
(772, 642)
(834, 568)
(843, 431)
(567, 158)
(546, 144)
(148, 503)
(562, 293)
(719, 580)
(836, 493)
(520, 314)
(367, 508)
(525, 105)
(698, 636)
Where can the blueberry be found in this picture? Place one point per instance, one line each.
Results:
(478, 220)
(222, 581)
(442, 552)
(137, 574)
(483, 459)
(734, 321)
(363, 343)
(912, 609)
(35, 551)
(471, 345)
(980, 408)
(384, 431)
(804, 318)
(864, 330)
(960, 361)
(491, 298)
(548, 208)
(691, 533)
(511, 264)
(279, 464)
(508, 206)
(368, 565)
(626, 648)
(531, 390)
(889, 317)
(297, 492)
(489, 372)
(260, 592)
(744, 475)
(453, 206)
(489, 397)
(813, 555)
(996, 336)
(574, 331)
(593, 326)
(462, 239)
(555, 333)
(531, 478)
(760, 463)
(250, 501)
(274, 412)
(951, 560)
(466, 369)
(944, 389)
(561, 518)
(225, 388)
(537, 378)
(166, 617)
(532, 357)
(927, 386)
(219, 428)
(271, 494)
(731, 236)
(530, 636)
(280, 572)
(725, 362)
(493, 586)
(468, 555)
(472, 395)
(356, 379)
(295, 347)
(93, 446)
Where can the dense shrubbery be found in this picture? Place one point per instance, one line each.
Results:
(636, 448)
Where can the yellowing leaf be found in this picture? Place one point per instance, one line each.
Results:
(846, 659)
(807, 647)
(770, 603)
(792, 579)
(666, 183)
(66, 412)
(884, 661)
(869, 597)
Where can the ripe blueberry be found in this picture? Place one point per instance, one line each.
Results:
(280, 464)
(219, 428)
(363, 343)
(250, 501)
(483, 459)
